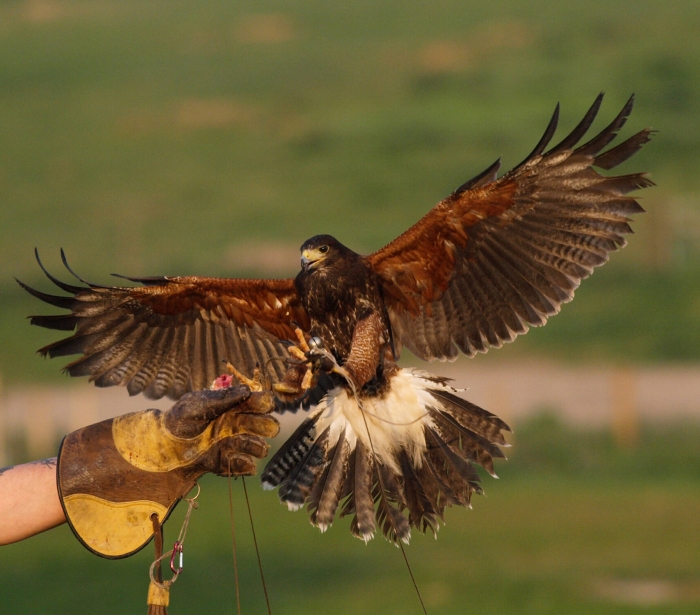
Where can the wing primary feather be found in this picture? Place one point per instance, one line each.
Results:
(606, 135)
(67, 266)
(64, 322)
(624, 150)
(65, 303)
(69, 288)
(544, 141)
(581, 129)
(75, 344)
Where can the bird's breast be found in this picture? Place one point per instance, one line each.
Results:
(335, 302)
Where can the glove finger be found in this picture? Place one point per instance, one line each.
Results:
(246, 444)
(265, 426)
(236, 464)
(207, 405)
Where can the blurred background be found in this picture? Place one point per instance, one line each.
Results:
(213, 138)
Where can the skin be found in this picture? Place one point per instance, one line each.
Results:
(29, 504)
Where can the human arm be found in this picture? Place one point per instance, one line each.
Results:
(112, 473)
(29, 503)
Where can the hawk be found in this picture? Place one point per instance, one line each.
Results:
(497, 256)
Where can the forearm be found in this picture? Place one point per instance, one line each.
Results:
(29, 501)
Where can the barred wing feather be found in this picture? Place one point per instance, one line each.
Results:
(170, 335)
(500, 255)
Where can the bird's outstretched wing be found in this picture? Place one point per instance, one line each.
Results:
(501, 254)
(170, 335)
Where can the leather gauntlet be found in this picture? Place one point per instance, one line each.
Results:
(112, 476)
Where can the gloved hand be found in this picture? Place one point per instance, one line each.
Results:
(113, 475)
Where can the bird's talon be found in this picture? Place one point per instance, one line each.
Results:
(303, 345)
(286, 389)
(308, 380)
(255, 384)
(297, 353)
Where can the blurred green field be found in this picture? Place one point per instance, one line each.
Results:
(574, 525)
(213, 137)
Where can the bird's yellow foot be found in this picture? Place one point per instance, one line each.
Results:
(286, 389)
(309, 380)
(299, 351)
(255, 384)
(297, 354)
(303, 345)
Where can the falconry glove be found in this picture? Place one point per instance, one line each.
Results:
(113, 475)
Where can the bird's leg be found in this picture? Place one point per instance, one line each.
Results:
(367, 342)
(255, 384)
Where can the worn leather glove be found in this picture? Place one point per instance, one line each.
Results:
(113, 475)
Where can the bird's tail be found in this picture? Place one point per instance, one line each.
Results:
(394, 460)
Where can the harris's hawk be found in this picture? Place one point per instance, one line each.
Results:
(498, 255)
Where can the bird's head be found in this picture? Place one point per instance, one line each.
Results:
(321, 250)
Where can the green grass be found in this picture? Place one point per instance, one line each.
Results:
(150, 138)
(571, 523)
(530, 547)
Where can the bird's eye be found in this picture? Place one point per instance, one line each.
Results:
(323, 249)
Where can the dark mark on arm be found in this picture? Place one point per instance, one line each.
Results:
(48, 463)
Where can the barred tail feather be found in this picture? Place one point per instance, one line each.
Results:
(391, 503)
(325, 496)
(417, 459)
(290, 455)
(296, 488)
(421, 513)
(363, 525)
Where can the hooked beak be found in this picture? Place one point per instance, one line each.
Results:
(305, 262)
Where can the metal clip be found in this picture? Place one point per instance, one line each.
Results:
(177, 548)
